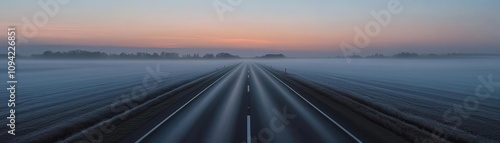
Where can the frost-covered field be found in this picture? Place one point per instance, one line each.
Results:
(56, 92)
(421, 90)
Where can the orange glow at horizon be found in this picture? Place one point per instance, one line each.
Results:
(303, 34)
(292, 25)
(244, 36)
(308, 36)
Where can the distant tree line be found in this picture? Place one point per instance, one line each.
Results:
(272, 56)
(415, 55)
(82, 54)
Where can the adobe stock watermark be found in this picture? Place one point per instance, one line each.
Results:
(373, 28)
(30, 27)
(150, 82)
(460, 112)
(277, 124)
(221, 8)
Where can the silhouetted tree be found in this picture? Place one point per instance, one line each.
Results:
(273, 56)
(209, 56)
(406, 55)
(377, 55)
(225, 56)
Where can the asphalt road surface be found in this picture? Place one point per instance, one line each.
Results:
(248, 104)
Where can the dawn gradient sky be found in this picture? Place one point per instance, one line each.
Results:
(303, 25)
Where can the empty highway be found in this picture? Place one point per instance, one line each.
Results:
(248, 104)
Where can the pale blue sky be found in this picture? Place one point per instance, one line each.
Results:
(423, 26)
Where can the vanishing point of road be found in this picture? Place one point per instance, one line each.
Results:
(248, 104)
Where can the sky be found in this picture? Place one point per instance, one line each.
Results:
(315, 27)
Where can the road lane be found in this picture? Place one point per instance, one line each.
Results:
(211, 117)
(291, 119)
(247, 104)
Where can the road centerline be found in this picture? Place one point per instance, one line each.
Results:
(249, 134)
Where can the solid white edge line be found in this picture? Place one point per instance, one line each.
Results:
(249, 134)
(355, 138)
(164, 120)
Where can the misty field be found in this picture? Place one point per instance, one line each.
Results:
(419, 90)
(54, 93)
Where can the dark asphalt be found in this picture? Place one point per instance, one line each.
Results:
(248, 104)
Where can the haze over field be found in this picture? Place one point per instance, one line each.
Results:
(419, 90)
